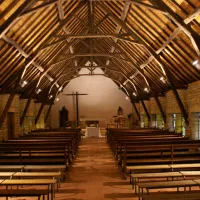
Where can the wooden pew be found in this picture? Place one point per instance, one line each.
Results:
(23, 193)
(182, 196)
(48, 182)
(166, 184)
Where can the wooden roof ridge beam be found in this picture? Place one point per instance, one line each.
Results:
(156, 57)
(94, 35)
(145, 110)
(14, 17)
(194, 37)
(23, 53)
(118, 28)
(61, 16)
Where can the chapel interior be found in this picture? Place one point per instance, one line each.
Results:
(100, 99)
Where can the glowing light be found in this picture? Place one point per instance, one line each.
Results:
(127, 98)
(134, 94)
(146, 89)
(195, 62)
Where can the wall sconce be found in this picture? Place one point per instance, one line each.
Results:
(23, 83)
(134, 94)
(60, 89)
(196, 64)
(163, 79)
(57, 99)
(146, 90)
(38, 91)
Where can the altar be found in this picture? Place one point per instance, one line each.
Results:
(92, 132)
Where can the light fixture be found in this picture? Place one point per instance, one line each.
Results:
(134, 94)
(60, 89)
(146, 89)
(23, 83)
(57, 99)
(195, 62)
(127, 98)
(163, 79)
(38, 90)
(50, 96)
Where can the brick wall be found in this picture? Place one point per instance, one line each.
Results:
(15, 109)
(190, 98)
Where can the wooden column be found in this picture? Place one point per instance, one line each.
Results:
(39, 113)
(25, 111)
(5, 111)
(136, 110)
(181, 106)
(146, 111)
(48, 112)
(160, 108)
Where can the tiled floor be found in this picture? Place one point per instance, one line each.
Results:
(95, 175)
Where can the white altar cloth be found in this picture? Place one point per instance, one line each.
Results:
(92, 132)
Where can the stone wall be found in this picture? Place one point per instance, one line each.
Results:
(16, 109)
(190, 98)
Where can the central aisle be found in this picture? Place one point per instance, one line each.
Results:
(95, 175)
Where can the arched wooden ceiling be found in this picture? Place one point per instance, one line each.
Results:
(146, 47)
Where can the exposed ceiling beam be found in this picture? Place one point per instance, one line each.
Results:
(194, 37)
(156, 57)
(118, 28)
(61, 16)
(94, 35)
(37, 8)
(148, 6)
(23, 53)
(14, 17)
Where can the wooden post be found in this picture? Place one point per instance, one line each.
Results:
(48, 112)
(160, 108)
(39, 113)
(25, 111)
(136, 110)
(5, 111)
(146, 111)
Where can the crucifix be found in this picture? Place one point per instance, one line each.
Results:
(77, 108)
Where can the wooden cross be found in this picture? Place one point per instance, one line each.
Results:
(77, 116)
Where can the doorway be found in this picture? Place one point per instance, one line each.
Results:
(11, 124)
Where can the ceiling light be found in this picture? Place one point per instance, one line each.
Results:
(50, 96)
(38, 91)
(23, 83)
(163, 79)
(60, 89)
(134, 94)
(195, 62)
(146, 89)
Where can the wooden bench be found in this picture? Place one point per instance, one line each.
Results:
(182, 196)
(49, 182)
(166, 184)
(23, 193)
(135, 178)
